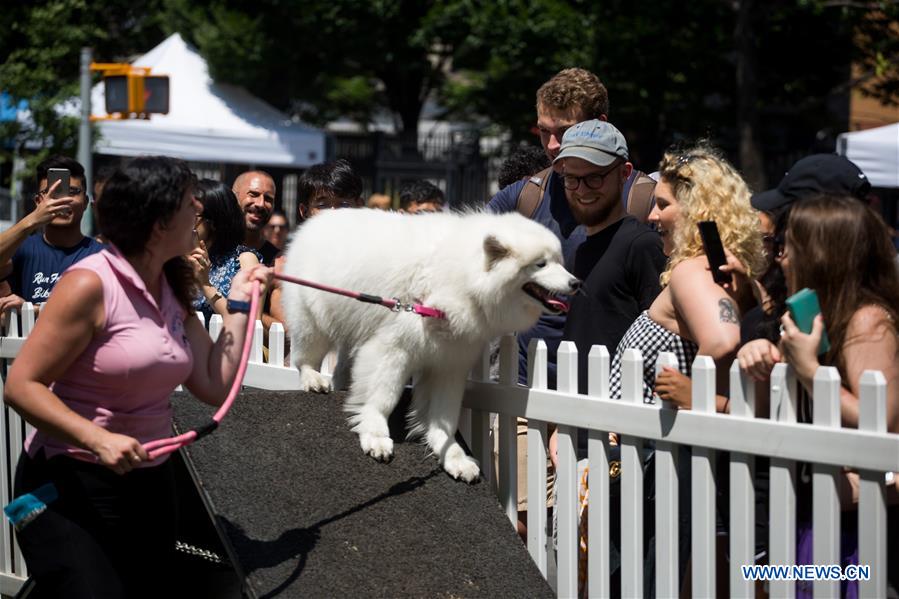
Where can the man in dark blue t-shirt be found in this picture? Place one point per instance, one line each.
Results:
(31, 259)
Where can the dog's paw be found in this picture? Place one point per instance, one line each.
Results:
(461, 466)
(378, 447)
(312, 380)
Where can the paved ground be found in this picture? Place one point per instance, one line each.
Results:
(305, 513)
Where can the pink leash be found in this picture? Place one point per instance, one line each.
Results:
(161, 447)
(394, 304)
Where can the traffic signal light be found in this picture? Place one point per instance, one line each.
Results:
(132, 90)
(156, 94)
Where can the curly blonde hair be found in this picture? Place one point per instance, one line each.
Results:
(708, 187)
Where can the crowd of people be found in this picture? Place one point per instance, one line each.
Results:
(117, 333)
(649, 284)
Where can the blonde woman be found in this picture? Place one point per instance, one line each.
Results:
(693, 314)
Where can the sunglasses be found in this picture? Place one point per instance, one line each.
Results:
(774, 245)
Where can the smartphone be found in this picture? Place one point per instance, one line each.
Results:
(803, 306)
(58, 174)
(714, 250)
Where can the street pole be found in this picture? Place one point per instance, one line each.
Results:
(85, 156)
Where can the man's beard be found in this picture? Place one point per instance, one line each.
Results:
(593, 214)
(250, 226)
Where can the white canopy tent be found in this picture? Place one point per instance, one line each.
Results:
(207, 121)
(875, 151)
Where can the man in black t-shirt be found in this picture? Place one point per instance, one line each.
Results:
(621, 259)
(619, 263)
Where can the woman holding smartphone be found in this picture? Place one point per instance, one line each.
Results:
(95, 377)
(840, 248)
(694, 315)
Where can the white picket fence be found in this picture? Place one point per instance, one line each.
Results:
(870, 450)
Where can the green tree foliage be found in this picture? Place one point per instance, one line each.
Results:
(42, 42)
(512, 48)
(320, 59)
(670, 66)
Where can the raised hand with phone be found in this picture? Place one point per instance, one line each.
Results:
(58, 199)
(727, 270)
(37, 249)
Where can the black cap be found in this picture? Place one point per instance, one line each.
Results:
(818, 173)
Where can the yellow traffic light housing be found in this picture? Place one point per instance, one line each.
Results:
(132, 92)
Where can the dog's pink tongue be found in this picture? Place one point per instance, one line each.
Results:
(558, 305)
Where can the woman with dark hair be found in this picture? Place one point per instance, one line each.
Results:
(839, 247)
(220, 231)
(94, 378)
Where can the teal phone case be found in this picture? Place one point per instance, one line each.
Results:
(803, 306)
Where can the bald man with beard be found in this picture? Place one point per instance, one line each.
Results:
(255, 191)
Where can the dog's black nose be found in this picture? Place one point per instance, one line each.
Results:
(574, 285)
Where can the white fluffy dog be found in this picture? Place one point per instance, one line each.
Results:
(490, 274)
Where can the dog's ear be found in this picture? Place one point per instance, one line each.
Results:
(494, 250)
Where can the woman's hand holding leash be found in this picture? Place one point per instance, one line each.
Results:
(242, 284)
(119, 453)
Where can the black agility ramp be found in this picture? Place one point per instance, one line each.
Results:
(302, 512)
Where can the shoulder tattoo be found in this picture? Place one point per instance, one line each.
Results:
(726, 311)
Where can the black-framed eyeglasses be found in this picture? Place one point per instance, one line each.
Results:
(592, 181)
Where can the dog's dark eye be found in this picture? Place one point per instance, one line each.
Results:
(541, 264)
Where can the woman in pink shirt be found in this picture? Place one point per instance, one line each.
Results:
(95, 378)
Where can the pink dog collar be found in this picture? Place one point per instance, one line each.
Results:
(428, 311)
(398, 305)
